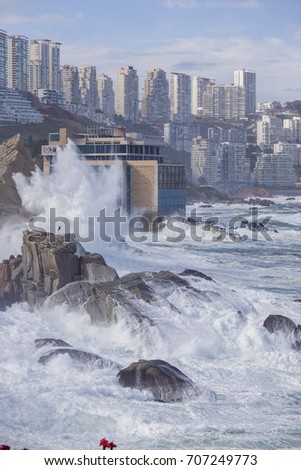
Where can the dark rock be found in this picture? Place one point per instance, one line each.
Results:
(166, 277)
(42, 342)
(261, 202)
(95, 269)
(135, 284)
(166, 382)
(80, 357)
(281, 324)
(193, 272)
(275, 323)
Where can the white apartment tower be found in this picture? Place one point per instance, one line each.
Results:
(88, 86)
(247, 78)
(44, 66)
(17, 59)
(70, 84)
(127, 93)
(180, 97)
(155, 101)
(39, 64)
(198, 86)
(224, 102)
(3, 59)
(106, 94)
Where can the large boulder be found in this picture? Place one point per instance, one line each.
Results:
(59, 347)
(15, 157)
(284, 325)
(79, 357)
(166, 382)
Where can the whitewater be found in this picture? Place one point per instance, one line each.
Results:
(250, 379)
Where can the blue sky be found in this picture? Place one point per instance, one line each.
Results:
(210, 38)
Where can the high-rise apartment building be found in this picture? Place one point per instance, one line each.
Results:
(155, 101)
(39, 64)
(88, 86)
(44, 66)
(55, 81)
(198, 86)
(127, 93)
(70, 84)
(224, 102)
(3, 59)
(180, 97)
(106, 94)
(17, 59)
(247, 78)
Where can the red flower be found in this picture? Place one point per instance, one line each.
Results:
(4, 447)
(104, 443)
(111, 445)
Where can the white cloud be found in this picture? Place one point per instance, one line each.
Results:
(45, 18)
(180, 4)
(245, 4)
(248, 4)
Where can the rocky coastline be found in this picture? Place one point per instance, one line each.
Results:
(55, 270)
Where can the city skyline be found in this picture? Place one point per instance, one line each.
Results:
(196, 37)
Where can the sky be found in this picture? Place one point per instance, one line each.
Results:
(209, 38)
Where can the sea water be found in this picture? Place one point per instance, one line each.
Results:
(250, 380)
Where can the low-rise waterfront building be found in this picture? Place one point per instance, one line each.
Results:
(151, 186)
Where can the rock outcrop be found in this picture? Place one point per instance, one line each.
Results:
(166, 382)
(48, 263)
(15, 157)
(129, 297)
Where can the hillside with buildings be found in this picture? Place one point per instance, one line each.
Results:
(221, 135)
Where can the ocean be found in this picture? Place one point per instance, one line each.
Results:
(249, 379)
